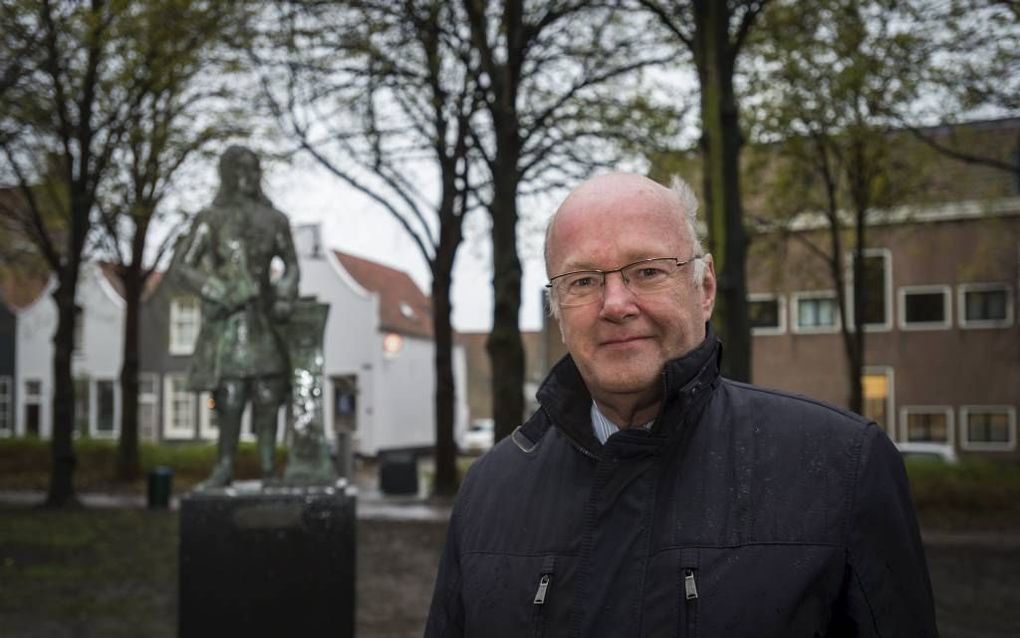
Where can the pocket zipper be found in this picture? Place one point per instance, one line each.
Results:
(690, 586)
(543, 587)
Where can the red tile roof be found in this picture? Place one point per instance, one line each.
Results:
(111, 272)
(21, 291)
(403, 307)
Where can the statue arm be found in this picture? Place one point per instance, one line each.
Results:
(286, 287)
(188, 264)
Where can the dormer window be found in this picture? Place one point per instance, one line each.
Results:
(407, 310)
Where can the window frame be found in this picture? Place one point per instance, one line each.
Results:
(947, 410)
(947, 309)
(815, 294)
(966, 444)
(170, 432)
(175, 343)
(890, 409)
(7, 425)
(887, 323)
(780, 313)
(149, 399)
(979, 324)
(94, 430)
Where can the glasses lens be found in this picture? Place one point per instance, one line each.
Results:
(579, 288)
(651, 275)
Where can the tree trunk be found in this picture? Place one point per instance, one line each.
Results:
(506, 351)
(128, 466)
(61, 490)
(720, 144)
(442, 310)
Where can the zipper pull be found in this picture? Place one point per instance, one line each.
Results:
(543, 587)
(690, 587)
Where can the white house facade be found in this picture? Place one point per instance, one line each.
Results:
(95, 365)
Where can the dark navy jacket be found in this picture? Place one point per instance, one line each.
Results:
(742, 512)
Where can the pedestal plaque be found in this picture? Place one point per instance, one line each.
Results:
(267, 562)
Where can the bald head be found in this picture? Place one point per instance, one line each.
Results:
(638, 191)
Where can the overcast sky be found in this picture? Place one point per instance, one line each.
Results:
(351, 223)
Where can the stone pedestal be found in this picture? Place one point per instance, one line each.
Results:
(267, 562)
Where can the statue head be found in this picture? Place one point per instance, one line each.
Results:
(240, 173)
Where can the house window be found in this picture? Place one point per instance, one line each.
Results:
(876, 387)
(105, 408)
(766, 314)
(179, 418)
(185, 318)
(148, 402)
(816, 312)
(985, 305)
(927, 424)
(6, 405)
(924, 307)
(876, 275)
(990, 428)
(207, 421)
(33, 406)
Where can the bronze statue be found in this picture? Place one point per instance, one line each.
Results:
(240, 355)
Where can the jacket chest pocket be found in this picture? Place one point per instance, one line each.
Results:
(687, 595)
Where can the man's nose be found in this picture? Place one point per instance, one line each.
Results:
(617, 298)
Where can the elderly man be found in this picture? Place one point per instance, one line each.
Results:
(651, 497)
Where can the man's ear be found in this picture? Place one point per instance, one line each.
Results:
(708, 288)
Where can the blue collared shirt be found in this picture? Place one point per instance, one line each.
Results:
(603, 427)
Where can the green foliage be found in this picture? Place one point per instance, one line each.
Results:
(24, 463)
(973, 494)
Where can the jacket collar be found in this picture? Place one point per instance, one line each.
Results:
(565, 398)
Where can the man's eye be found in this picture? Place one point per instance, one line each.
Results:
(650, 273)
(586, 281)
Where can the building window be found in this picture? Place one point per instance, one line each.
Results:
(877, 387)
(33, 407)
(924, 307)
(927, 424)
(985, 305)
(148, 402)
(179, 418)
(185, 318)
(816, 312)
(767, 314)
(877, 280)
(988, 428)
(6, 405)
(208, 425)
(105, 408)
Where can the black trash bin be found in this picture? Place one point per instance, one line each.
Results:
(398, 472)
(161, 480)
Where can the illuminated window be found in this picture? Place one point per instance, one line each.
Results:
(876, 387)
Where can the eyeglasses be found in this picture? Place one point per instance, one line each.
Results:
(582, 287)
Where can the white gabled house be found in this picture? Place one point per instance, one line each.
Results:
(378, 349)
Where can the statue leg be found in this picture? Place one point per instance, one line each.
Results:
(268, 395)
(230, 397)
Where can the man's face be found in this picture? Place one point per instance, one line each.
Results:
(621, 342)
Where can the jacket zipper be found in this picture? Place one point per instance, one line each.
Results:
(690, 602)
(539, 603)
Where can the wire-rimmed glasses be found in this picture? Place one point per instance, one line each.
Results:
(582, 287)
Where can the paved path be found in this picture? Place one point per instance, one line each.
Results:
(372, 505)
